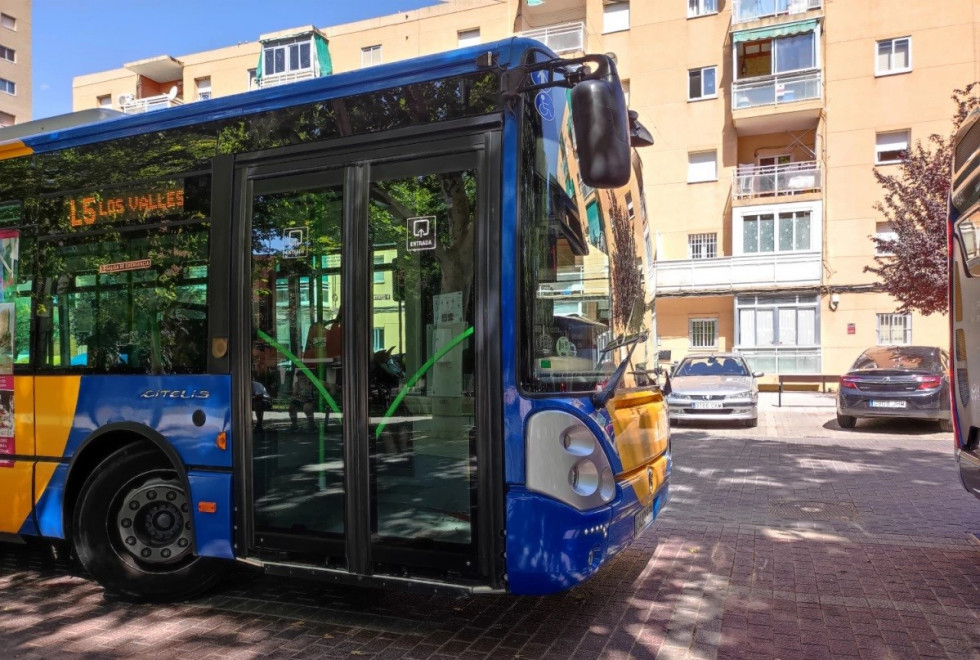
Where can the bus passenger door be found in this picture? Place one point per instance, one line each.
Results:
(364, 437)
(295, 276)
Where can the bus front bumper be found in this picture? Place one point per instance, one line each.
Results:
(552, 546)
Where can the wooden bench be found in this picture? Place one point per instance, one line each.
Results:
(823, 379)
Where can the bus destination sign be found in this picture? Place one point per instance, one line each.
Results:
(97, 209)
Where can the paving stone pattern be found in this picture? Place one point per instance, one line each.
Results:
(796, 539)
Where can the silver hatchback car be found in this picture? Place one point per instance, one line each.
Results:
(714, 387)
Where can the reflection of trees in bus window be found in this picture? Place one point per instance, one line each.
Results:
(128, 297)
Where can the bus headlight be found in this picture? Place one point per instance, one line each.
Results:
(565, 461)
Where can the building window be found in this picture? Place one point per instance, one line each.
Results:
(626, 91)
(8, 21)
(467, 38)
(287, 57)
(701, 83)
(616, 17)
(251, 79)
(768, 232)
(777, 321)
(630, 212)
(894, 329)
(701, 7)
(702, 166)
(8, 86)
(703, 333)
(8, 54)
(891, 147)
(648, 246)
(893, 56)
(378, 339)
(203, 88)
(379, 274)
(7, 119)
(702, 246)
(885, 231)
(370, 56)
(104, 101)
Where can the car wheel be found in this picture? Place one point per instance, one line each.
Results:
(751, 423)
(946, 425)
(132, 530)
(846, 421)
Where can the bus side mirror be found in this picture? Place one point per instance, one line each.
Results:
(602, 131)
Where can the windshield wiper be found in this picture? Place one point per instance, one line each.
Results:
(600, 398)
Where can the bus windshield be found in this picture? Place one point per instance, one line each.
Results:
(581, 284)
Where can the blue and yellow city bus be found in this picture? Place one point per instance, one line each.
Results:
(375, 327)
(964, 303)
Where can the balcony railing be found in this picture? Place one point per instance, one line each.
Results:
(160, 102)
(751, 10)
(285, 78)
(776, 90)
(773, 180)
(564, 38)
(782, 359)
(742, 273)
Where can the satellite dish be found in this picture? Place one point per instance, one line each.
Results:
(172, 94)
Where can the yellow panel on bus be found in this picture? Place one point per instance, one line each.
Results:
(54, 415)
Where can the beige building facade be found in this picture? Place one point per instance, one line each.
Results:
(769, 118)
(15, 62)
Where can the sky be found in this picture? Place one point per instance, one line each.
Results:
(75, 37)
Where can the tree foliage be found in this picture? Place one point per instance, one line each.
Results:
(627, 280)
(912, 267)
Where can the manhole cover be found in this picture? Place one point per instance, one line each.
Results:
(809, 510)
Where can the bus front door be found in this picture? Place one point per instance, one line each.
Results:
(363, 430)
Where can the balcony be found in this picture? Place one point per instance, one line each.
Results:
(276, 79)
(564, 38)
(743, 273)
(779, 89)
(132, 106)
(744, 11)
(750, 182)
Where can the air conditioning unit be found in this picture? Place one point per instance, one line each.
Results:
(125, 99)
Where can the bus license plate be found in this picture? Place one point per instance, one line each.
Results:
(887, 404)
(706, 404)
(642, 519)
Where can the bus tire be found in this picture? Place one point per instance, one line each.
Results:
(132, 530)
(846, 421)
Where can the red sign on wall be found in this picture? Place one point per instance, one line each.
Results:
(851, 329)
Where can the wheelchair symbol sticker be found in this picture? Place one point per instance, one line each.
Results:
(544, 105)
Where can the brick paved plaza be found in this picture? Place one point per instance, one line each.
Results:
(796, 539)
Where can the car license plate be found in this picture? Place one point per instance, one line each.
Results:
(642, 519)
(887, 404)
(706, 404)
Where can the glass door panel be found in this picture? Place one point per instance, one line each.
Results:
(422, 421)
(297, 457)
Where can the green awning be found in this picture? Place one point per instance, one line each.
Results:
(775, 31)
(324, 65)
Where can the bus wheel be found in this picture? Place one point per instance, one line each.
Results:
(132, 530)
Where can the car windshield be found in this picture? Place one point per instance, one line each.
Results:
(712, 366)
(919, 358)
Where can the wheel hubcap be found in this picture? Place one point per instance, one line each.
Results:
(154, 522)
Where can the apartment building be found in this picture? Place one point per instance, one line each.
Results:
(769, 118)
(15, 62)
